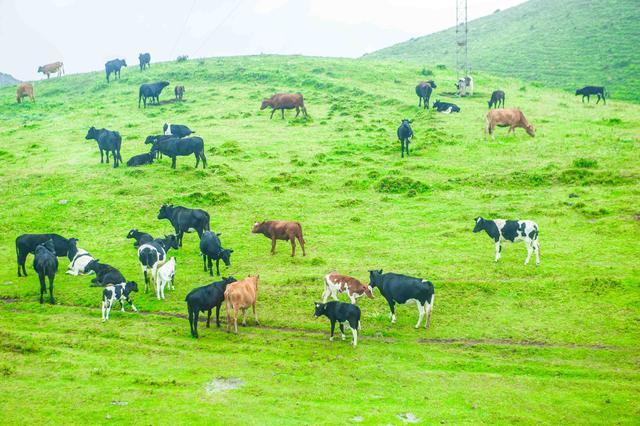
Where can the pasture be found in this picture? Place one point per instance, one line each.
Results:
(558, 343)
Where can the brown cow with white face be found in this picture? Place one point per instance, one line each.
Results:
(281, 230)
(23, 90)
(56, 67)
(338, 283)
(508, 117)
(241, 295)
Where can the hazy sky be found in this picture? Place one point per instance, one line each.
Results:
(84, 34)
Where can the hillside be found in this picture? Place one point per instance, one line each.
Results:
(565, 44)
(554, 344)
(7, 80)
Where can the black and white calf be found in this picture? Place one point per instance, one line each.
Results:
(185, 220)
(341, 312)
(501, 230)
(140, 237)
(177, 130)
(119, 292)
(45, 263)
(403, 289)
(206, 298)
(79, 259)
(153, 254)
(211, 249)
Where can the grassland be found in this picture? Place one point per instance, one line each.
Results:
(508, 344)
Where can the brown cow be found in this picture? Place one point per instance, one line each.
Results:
(179, 92)
(280, 230)
(284, 101)
(24, 89)
(239, 296)
(508, 117)
(51, 68)
(334, 282)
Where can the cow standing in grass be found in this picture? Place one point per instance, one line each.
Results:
(153, 255)
(501, 231)
(173, 147)
(108, 141)
(497, 97)
(151, 90)
(120, 292)
(24, 90)
(282, 101)
(240, 296)
(424, 90)
(405, 133)
(56, 67)
(206, 298)
(45, 264)
(588, 91)
(281, 230)
(27, 243)
(509, 117)
(145, 61)
(114, 67)
(184, 220)
(340, 312)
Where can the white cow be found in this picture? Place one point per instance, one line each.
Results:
(164, 276)
(501, 230)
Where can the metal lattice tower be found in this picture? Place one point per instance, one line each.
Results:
(462, 46)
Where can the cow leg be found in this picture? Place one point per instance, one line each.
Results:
(204, 262)
(173, 162)
(218, 267)
(272, 111)
(301, 242)
(333, 327)
(273, 245)
(419, 101)
(197, 159)
(210, 266)
(208, 318)
(537, 251)
(393, 310)
(121, 304)
(429, 307)
(297, 112)
(51, 299)
(293, 245)
(342, 330)
(603, 99)
(218, 314)
(408, 141)
(106, 152)
(115, 158)
(235, 318)
(354, 332)
(24, 270)
(180, 235)
(420, 313)
(204, 159)
(196, 317)
(498, 250)
(401, 148)
(193, 334)
(43, 287)
(282, 113)
(101, 156)
(255, 315)
(104, 306)
(326, 293)
(529, 244)
(146, 281)
(352, 297)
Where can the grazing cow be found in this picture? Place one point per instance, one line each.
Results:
(140, 159)
(465, 86)
(45, 264)
(496, 98)
(179, 92)
(114, 67)
(405, 133)
(140, 237)
(239, 296)
(281, 230)
(154, 254)
(424, 90)
(151, 90)
(108, 141)
(119, 292)
(206, 298)
(23, 90)
(79, 259)
(338, 283)
(145, 60)
(211, 249)
(105, 274)
(165, 274)
(282, 101)
(27, 243)
(512, 231)
(587, 91)
(173, 147)
(509, 117)
(56, 67)
(397, 288)
(445, 107)
(185, 220)
(177, 130)
(341, 312)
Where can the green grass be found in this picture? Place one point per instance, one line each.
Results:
(567, 44)
(508, 344)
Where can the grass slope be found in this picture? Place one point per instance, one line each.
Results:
(553, 344)
(566, 44)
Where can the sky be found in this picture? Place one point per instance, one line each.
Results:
(84, 34)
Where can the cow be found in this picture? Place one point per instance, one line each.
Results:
(156, 138)
(27, 243)
(240, 295)
(177, 130)
(114, 67)
(501, 231)
(179, 92)
(405, 133)
(173, 147)
(282, 101)
(153, 254)
(445, 107)
(340, 312)
(119, 292)
(281, 230)
(185, 220)
(151, 90)
(206, 298)
(23, 90)
(338, 283)
(496, 98)
(108, 141)
(587, 91)
(56, 67)
(105, 274)
(165, 274)
(465, 86)
(141, 159)
(45, 264)
(140, 237)
(211, 249)
(424, 90)
(403, 289)
(145, 60)
(79, 259)
(508, 117)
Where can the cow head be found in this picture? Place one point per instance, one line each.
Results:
(432, 83)
(479, 224)
(225, 255)
(150, 140)
(91, 134)
(265, 103)
(132, 233)
(228, 280)
(320, 309)
(124, 64)
(165, 127)
(132, 286)
(375, 278)
(530, 130)
(578, 92)
(165, 211)
(171, 242)
(163, 84)
(91, 266)
(48, 245)
(257, 227)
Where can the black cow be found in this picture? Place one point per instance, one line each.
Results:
(108, 141)
(45, 264)
(177, 130)
(140, 159)
(153, 254)
(145, 60)
(205, 299)
(185, 220)
(424, 90)
(211, 249)
(587, 91)
(155, 138)
(397, 288)
(140, 237)
(341, 312)
(114, 66)
(27, 243)
(405, 133)
(174, 147)
(445, 107)
(151, 90)
(105, 274)
(496, 98)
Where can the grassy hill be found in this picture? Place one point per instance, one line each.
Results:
(565, 44)
(7, 80)
(556, 343)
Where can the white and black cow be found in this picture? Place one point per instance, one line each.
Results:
(341, 312)
(79, 259)
(403, 289)
(154, 254)
(185, 220)
(501, 230)
(118, 292)
(177, 130)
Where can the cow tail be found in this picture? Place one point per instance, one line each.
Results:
(139, 96)
(301, 237)
(17, 253)
(207, 225)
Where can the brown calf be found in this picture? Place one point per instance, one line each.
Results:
(51, 68)
(239, 296)
(284, 101)
(24, 89)
(508, 117)
(179, 92)
(281, 230)
(334, 282)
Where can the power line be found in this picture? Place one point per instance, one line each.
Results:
(184, 26)
(218, 26)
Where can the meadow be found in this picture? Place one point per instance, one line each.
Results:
(558, 343)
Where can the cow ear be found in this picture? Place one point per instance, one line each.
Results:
(218, 233)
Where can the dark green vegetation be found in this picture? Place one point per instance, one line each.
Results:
(553, 344)
(567, 44)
